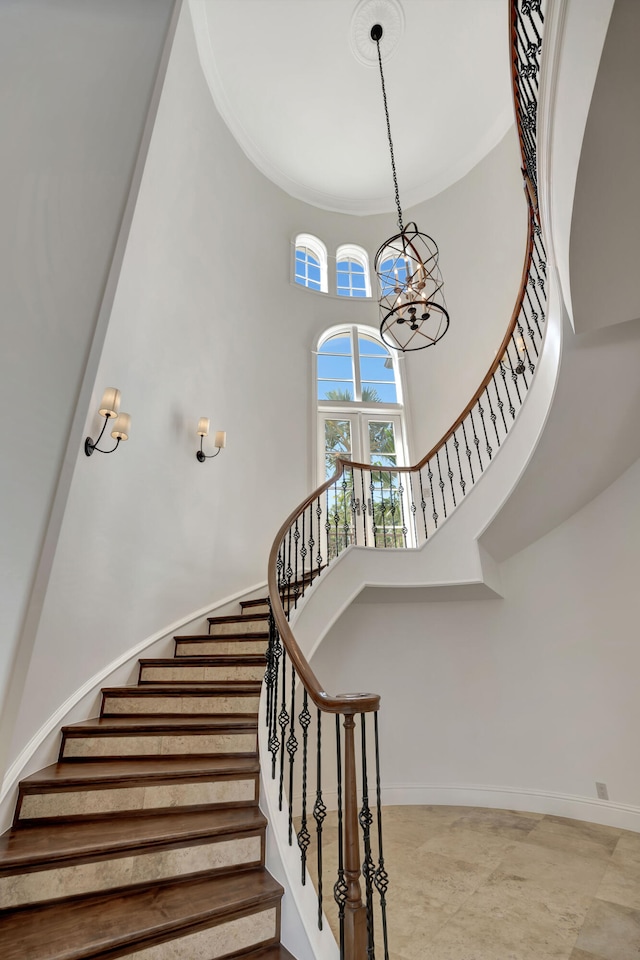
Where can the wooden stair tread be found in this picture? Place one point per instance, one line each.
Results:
(88, 928)
(146, 722)
(239, 618)
(195, 687)
(254, 603)
(44, 846)
(104, 772)
(223, 638)
(219, 660)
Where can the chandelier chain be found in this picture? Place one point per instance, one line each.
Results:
(393, 162)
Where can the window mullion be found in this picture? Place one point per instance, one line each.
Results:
(355, 353)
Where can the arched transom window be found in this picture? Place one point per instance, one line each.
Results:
(311, 262)
(352, 272)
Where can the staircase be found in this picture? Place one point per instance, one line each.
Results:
(145, 840)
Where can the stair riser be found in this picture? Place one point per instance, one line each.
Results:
(196, 705)
(134, 799)
(249, 611)
(156, 745)
(192, 673)
(241, 627)
(243, 933)
(211, 648)
(136, 868)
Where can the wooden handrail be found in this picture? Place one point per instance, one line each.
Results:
(346, 703)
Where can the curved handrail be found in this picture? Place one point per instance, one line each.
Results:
(342, 509)
(345, 704)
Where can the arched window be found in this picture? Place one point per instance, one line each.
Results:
(352, 271)
(359, 396)
(361, 418)
(310, 262)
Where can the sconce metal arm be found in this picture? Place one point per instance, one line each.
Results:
(202, 456)
(90, 446)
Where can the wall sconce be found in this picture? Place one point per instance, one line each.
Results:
(220, 440)
(109, 408)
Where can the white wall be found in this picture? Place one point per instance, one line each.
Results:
(605, 226)
(535, 693)
(76, 84)
(206, 323)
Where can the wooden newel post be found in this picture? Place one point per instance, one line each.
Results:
(355, 912)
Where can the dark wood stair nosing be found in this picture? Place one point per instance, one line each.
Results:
(166, 926)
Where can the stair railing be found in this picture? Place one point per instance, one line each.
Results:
(382, 506)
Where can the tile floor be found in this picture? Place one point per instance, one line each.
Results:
(474, 884)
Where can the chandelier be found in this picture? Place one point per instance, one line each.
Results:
(413, 312)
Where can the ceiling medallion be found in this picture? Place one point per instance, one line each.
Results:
(389, 14)
(413, 312)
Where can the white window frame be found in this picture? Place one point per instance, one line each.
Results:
(318, 249)
(351, 251)
(323, 408)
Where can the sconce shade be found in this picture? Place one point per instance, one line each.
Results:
(221, 439)
(203, 427)
(121, 427)
(110, 403)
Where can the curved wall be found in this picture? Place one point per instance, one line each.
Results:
(527, 700)
(206, 323)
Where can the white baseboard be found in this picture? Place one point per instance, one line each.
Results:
(605, 812)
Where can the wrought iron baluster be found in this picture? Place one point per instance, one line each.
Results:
(303, 555)
(283, 722)
(304, 837)
(456, 447)
(340, 886)
(492, 414)
(327, 526)
(500, 403)
(514, 375)
(441, 485)
(354, 509)
(476, 441)
(503, 374)
(467, 451)
(346, 509)
(319, 813)
(393, 507)
(433, 501)
(372, 510)
(274, 740)
(364, 508)
(414, 510)
(488, 447)
(296, 550)
(336, 520)
(381, 878)
(423, 504)
(319, 518)
(289, 573)
(450, 471)
(292, 746)
(402, 517)
(383, 510)
(535, 316)
(366, 819)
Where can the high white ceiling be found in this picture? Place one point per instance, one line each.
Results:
(309, 114)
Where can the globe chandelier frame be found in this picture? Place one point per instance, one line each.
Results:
(413, 310)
